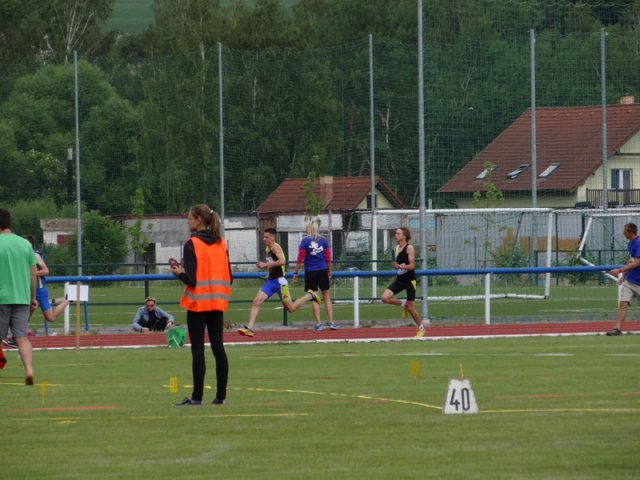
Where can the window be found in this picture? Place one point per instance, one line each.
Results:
(517, 172)
(549, 170)
(621, 178)
(62, 239)
(483, 174)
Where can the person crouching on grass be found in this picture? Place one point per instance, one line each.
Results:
(405, 263)
(151, 318)
(206, 272)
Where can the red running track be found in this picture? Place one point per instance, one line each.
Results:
(342, 334)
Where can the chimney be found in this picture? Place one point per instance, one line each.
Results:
(326, 189)
(627, 99)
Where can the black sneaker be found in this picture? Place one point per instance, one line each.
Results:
(217, 401)
(9, 342)
(188, 402)
(614, 332)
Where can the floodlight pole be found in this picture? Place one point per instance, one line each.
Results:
(421, 142)
(603, 79)
(79, 213)
(534, 153)
(220, 113)
(372, 140)
(78, 199)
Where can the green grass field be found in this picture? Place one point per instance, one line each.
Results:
(115, 305)
(561, 408)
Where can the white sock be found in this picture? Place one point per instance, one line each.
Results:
(403, 303)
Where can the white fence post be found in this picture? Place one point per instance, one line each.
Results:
(487, 299)
(66, 310)
(547, 276)
(356, 301)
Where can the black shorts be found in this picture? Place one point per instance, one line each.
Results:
(317, 278)
(158, 326)
(410, 286)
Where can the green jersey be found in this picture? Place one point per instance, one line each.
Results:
(16, 260)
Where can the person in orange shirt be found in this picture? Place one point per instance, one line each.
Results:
(206, 273)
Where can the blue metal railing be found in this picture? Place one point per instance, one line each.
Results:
(356, 275)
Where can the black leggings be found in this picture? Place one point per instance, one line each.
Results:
(196, 322)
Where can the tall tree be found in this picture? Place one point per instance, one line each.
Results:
(43, 30)
(104, 243)
(75, 24)
(21, 30)
(335, 22)
(38, 119)
(139, 240)
(183, 98)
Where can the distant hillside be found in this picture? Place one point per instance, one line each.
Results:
(134, 16)
(131, 16)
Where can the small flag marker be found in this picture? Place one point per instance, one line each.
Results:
(173, 384)
(414, 368)
(44, 386)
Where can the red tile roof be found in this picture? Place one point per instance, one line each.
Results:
(344, 194)
(570, 137)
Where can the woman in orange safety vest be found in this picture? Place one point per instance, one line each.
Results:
(206, 273)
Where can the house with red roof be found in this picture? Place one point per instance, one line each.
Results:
(342, 198)
(569, 166)
(338, 194)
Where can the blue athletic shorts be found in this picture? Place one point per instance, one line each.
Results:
(277, 286)
(42, 295)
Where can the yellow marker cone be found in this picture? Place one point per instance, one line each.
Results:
(414, 368)
(173, 384)
(44, 386)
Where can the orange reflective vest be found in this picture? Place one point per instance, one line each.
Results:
(213, 280)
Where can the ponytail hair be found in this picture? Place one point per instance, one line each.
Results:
(210, 218)
(313, 228)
